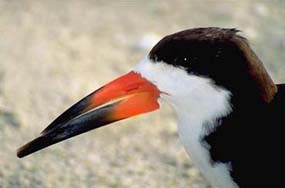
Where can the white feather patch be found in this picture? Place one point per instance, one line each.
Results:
(196, 100)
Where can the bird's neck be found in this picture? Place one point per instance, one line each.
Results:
(197, 118)
(204, 105)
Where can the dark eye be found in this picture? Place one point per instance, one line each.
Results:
(176, 59)
(182, 61)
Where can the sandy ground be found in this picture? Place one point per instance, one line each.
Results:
(52, 53)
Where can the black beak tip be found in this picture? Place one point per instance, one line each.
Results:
(70, 128)
(20, 153)
(33, 146)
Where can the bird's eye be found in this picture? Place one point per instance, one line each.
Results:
(176, 59)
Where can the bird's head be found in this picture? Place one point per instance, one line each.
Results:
(197, 68)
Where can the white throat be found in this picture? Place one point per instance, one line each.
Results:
(196, 100)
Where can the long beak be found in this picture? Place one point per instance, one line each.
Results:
(124, 97)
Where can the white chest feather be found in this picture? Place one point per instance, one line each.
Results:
(194, 112)
(191, 131)
(197, 101)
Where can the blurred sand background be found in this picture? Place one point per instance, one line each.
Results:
(54, 52)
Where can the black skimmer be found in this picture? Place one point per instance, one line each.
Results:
(229, 110)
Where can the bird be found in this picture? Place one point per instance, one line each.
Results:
(229, 110)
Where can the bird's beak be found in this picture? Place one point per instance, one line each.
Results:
(122, 98)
